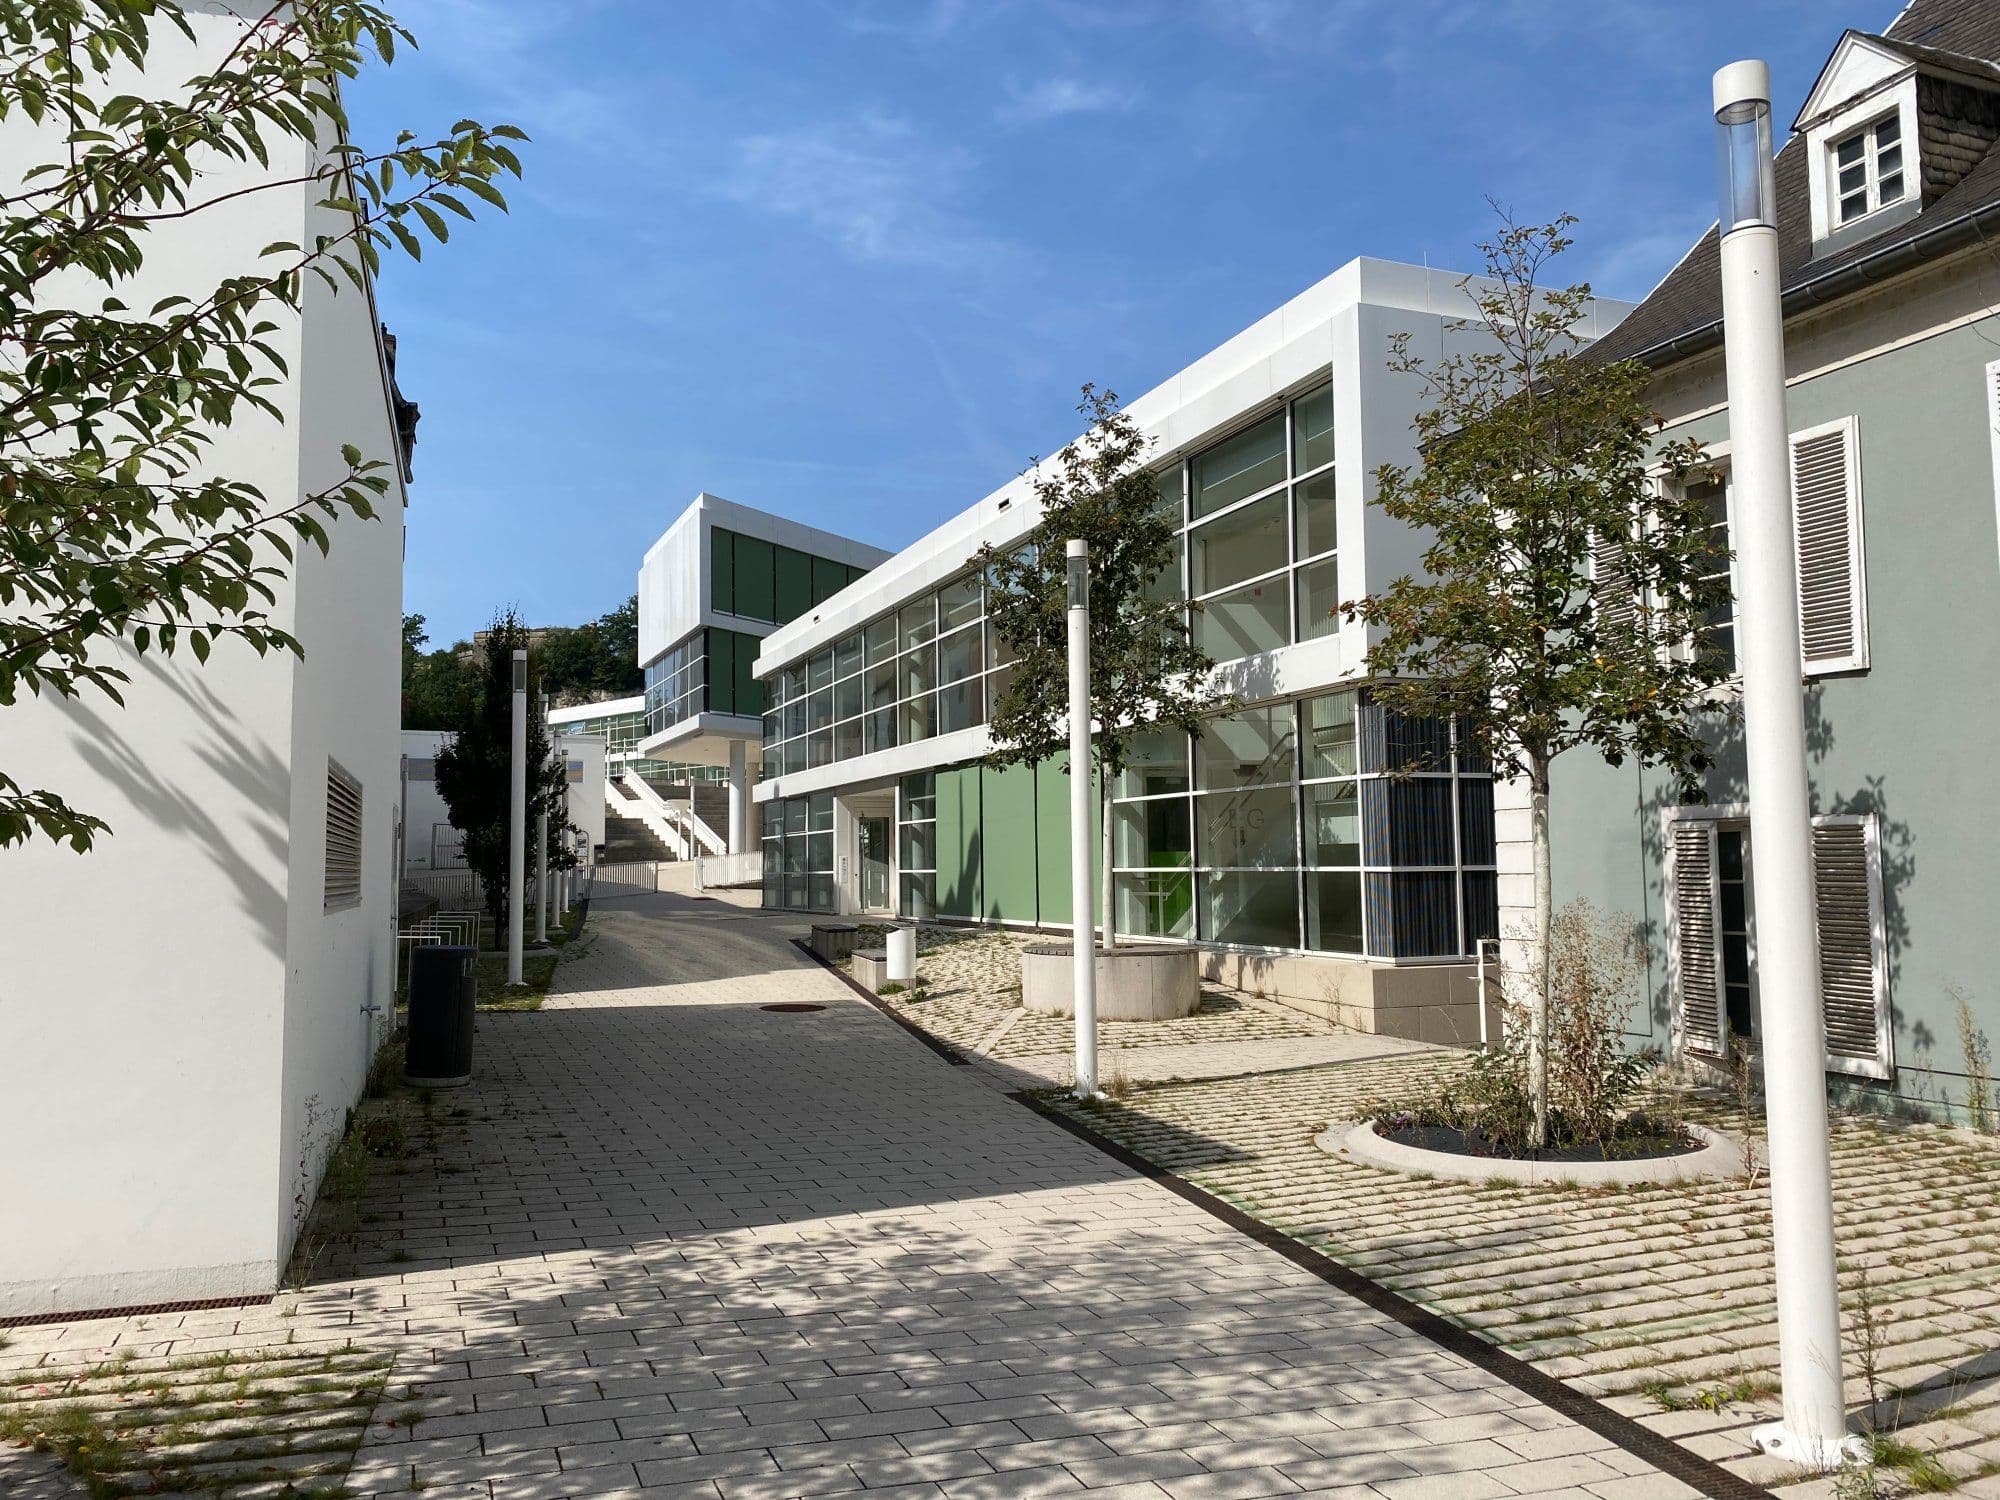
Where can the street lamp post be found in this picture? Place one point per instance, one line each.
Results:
(517, 817)
(1083, 931)
(542, 847)
(1813, 1431)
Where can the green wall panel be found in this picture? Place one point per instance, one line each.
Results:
(960, 843)
(794, 585)
(829, 578)
(721, 653)
(721, 571)
(1052, 841)
(755, 599)
(749, 691)
(1007, 800)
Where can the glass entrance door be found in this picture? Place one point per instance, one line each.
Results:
(874, 864)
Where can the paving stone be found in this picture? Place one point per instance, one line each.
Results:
(690, 1246)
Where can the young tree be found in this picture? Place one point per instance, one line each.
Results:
(1565, 589)
(475, 768)
(1145, 668)
(116, 534)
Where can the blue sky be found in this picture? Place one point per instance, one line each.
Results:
(849, 260)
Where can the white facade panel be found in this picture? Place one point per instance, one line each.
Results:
(183, 1031)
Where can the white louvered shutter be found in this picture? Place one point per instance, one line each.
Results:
(1612, 594)
(1697, 961)
(1826, 499)
(1853, 967)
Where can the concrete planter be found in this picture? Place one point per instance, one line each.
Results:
(1720, 1156)
(1156, 982)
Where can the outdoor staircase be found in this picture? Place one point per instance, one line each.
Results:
(627, 839)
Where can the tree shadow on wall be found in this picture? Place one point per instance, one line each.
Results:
(248, 838)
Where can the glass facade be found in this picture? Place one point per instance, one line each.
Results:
(1324, 825)
(1321, 824)
(1328, 825)
(925, 670)
(709, 672)
(1257, 560)
(798, 853)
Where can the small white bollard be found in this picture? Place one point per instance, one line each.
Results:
(902, 955)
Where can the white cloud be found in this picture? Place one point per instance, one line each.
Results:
(933, 22)
(873, 184)
(1054, 98)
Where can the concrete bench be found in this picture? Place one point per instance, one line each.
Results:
(871, 968)
(834, 941)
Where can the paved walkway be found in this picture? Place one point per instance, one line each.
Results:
(694, 1247)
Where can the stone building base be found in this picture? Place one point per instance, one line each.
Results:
(1426, 1003)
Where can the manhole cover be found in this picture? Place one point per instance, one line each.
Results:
(792, 1007)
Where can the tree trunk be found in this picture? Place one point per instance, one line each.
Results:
(1110, 922)
(1538, 957)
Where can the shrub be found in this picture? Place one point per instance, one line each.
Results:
(1594, 1080)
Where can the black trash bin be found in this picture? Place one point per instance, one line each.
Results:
(443, 987)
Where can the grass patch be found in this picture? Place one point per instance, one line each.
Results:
(136, 1428)
(538, 972)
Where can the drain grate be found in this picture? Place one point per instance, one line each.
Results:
(792, 1007)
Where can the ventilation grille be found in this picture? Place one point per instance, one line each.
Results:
(343, 839)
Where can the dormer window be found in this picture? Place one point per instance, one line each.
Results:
(1867, 167)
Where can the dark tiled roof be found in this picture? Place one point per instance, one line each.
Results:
(1958, 35)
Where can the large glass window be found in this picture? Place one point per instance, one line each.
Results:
(923, 670)
(916, 816)
(1240, 466)
(1279, 476)
(798, 852)
(1246, 543)
(1267, 845)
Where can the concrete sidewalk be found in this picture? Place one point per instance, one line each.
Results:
(691, 1246)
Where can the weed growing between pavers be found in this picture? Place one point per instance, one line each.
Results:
(284, 1422)
(1657, 1295)
(394, 1129)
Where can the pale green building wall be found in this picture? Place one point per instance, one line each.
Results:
(1915, 737)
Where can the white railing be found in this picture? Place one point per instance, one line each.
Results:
(692, 836)
(650, 808)
(729, 870)
(608, 880)
(457, 889)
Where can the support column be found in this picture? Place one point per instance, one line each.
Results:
(739, 798)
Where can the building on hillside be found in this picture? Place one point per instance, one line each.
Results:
(1286, 838)
(720, 579)
(187, 1010)
(1888, 209)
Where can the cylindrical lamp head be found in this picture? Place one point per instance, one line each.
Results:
(520, 671)
(1744, 178)
(1077, 556)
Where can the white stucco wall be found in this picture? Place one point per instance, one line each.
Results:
(169, 999)
(585, 755)
(424, 811)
